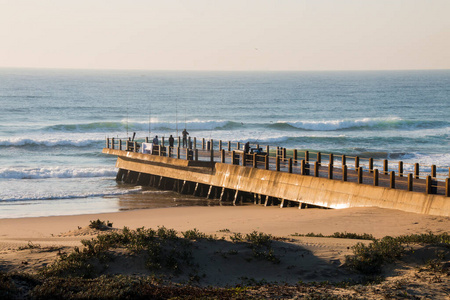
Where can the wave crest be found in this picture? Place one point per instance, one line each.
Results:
(55, 172)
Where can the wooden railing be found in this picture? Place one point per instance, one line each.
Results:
(430, 179)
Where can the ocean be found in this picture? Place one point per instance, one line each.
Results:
(53, 125)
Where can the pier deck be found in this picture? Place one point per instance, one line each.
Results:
(264, 179)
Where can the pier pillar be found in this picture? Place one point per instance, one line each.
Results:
(244, 160)
(433, 171)
(410, 182)
(319, 158)
(356, 162)
(107, 143)
(162, 141)
(266, 161)
(112, 143)
(400, 169)
(233, 157)
(307, 156)
(447, 187)
(179, 142)
(331, 159)
(375, 177)
(344, 160)
(385, 167)
(195, 143)
(344, 173)
(229, 146)
(392, 180)
(120, 144)
(267, 151)
(196, 154)
(220, 145)
(255, 161)
(290, 165)
(302, 167)
(203, 143)
(370, 165)
(222, 156)
(330, 170)
(428, 187)
(277, 163)
(360, 174)
(316, 169)
(238, 146)
(416, 170)
(294, 154)
(178, 152)
(212, 153)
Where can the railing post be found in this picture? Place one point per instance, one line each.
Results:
(127, 145)
(189, 143)
(112, 143)
(266, 161)
(447, 187)
(360, 174)
(212, 153)
(302, 167)
(178, 141)
(222, 156)
(162, 141)
(107, 143)
(220, 144)
(344, 160)
(410, 182)
(307, 156)
(400, 169)
(344, 173)
(233, 160)
(392, 180)
(331, 159)
(255, 161)
(203, 143)
(290, 165)
(319, 158)
(416, 170)
(229, 146)
(284, 154)
(196, 154)
(316, 169)
(244, 159)
(146, 139)
(267, 151)
(294, 154)
(195, 142)
(385, 167)
(375, 177)
(370, 165)
(187, 154)
(433, 171)
(356, 162)
(135, 147)
(330, 170)
(277, 164)
(238, 145)
(428, 185)
(178, 151)
(120, 144)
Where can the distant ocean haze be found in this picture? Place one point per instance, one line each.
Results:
(54, 123)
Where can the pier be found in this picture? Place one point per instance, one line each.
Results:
(278, 176)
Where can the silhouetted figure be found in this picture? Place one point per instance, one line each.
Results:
(185, 134)
(247, 147)
(155, 140)
(171, 140)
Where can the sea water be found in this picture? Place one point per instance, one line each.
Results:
(53, 125)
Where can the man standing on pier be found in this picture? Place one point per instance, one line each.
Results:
(185, 134)
(171, 140)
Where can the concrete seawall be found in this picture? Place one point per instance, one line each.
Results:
(292, 187)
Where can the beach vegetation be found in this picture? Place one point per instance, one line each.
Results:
(100, 225)
(340, 235)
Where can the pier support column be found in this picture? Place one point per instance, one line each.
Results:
(392, 180)
(235, 197)
(410, 182)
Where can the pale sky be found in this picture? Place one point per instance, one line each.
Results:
(226, 35)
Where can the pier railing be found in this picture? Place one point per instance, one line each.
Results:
(430, 179)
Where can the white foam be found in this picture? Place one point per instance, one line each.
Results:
(340, 124)
(55, 172)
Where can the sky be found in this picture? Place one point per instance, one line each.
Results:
(252, 35)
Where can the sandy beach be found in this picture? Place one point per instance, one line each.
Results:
(302, 259)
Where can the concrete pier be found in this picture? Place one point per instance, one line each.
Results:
(220, 177)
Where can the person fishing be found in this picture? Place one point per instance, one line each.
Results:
(185, 134)
(171, 140)
(155, 140)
